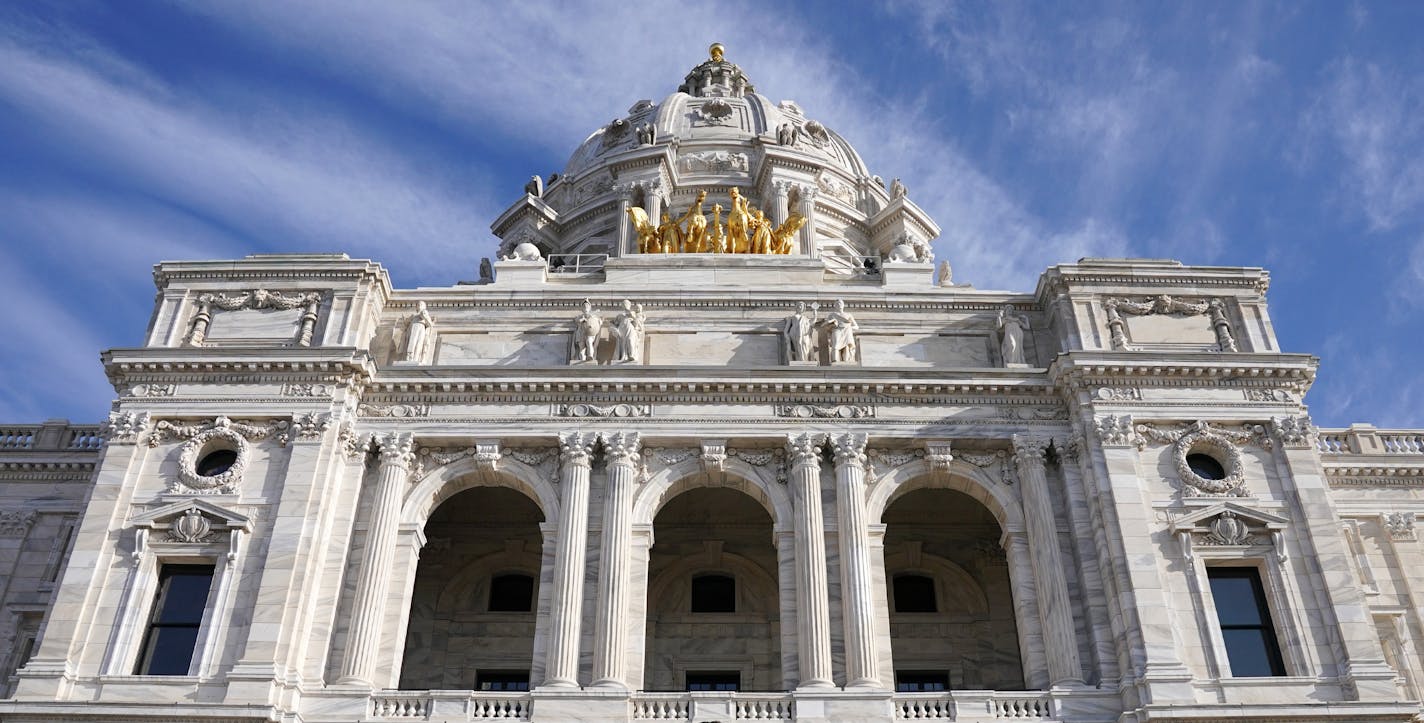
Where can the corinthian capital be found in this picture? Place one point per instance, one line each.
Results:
(576, 447)
(1030, 450)
(397, 449)
(849, 449)
(804, 448)
(621, 447)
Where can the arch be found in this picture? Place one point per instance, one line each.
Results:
(465, 582)
(688, 475)
(1001, 501)
(448, 480)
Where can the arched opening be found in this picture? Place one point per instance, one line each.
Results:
(713, 602)
(472, 611)
(951, 611)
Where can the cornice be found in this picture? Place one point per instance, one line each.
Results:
(266, 268)
(1080, 370)
(866, 298)
(128, 365)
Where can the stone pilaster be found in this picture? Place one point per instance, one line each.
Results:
(858, 604)
(813, 640)
(1053, 604)
(566, 602)
(610, 620)
(363, 638)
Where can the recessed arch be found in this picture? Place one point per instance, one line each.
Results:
(446, 481)
(736, 474)
(1000, 499)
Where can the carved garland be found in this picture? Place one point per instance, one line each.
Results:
(1202, 437)
(257, 299)
(1163, 305)
(222, 433)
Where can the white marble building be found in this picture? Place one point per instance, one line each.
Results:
(637, 475)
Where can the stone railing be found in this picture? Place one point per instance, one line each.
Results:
(55, 435)
(572, 264)
(1365, 439)
(973, 705)
(449, 705)
(712, 706)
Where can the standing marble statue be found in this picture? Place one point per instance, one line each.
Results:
(946, 274)
(1011, 326)
(842, 333)
(587, 326)
(798, 333)
(628, 333)
(897, 189)
(417, 333)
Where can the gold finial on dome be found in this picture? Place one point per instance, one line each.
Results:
(716, 50)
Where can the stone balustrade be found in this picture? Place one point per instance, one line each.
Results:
(1364, 439)
(53, 435)
(448, 705)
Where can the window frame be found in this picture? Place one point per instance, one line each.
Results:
(1274, 652)
(154, 625)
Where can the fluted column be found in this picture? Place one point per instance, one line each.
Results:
(566, 601)
(858, 604)
(611, 619)
(813, 614)
(780, 205)
(363, 638)
(1053, 606)
(807, 196)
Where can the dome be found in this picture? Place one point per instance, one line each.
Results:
(713, 135)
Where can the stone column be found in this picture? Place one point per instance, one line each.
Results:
(653, 201)
(363, 637)
(1026, 617)
(566, 602)
(1053, 605)
(611, 619)
(780, 208)
(807, 196)
(813, 620)
(858, 604)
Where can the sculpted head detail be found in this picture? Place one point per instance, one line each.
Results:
(840, 304)
(800, 306)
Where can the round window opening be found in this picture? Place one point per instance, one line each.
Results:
(216, 462)
(1205, 466)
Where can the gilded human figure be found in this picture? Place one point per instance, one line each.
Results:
(798, 333)
(717, 239)
(587, 326)
(842, 328)
(1012, 326)
(628, 333)
(417, 331)
(738, 221)
(760, 233)
(669, 236)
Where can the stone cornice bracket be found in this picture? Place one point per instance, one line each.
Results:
(309, 426)
(1118, 431)
(576, 448)
(125, 427)
(621, 448)
(804, 449)
(714, 457)
(849, 449)
(1296, 431)
(485, 453)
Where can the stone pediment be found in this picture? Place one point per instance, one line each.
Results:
(1199, 520)
(163, 517)
(190, 522)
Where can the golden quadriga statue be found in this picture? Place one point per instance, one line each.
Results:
(748, 230)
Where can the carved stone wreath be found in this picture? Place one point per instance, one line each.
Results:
(1221, 444)
(217, 438)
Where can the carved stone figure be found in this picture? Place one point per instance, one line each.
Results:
(798, 333)
(647, 232)
(1011, 327)
(628, 333)
(417, 331)
(787, 134)
(524, 251)
(486, 271)
(587, 326)
(535, 187)
(909, 249)
(842, 330)
(646, 134)
(946, 274)
(897, 189)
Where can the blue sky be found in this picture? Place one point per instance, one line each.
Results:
(1286, 135)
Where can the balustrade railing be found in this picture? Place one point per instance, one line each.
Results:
(395, 705)
(719, 706)
(472, 706)
(973, 705)
(662, 706)
(56, 436)
(1365, 439)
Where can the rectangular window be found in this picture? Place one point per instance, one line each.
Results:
(921, 681)
(502, 680)
(718, 680)
(172, 633)
(1245, 620)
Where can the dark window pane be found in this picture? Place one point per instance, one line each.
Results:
(1249, 651)
(1245, 619)
(921, 681)
(512, 593)
(505, 680)
(714, 594)
(1205, 466)
(914, 594)
(217, 462)
(172, 633)
(721, 680)
(1236, 598)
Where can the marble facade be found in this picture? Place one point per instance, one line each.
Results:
(394, 451)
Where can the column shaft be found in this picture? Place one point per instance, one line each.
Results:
(812, 589)
(858, 603)
(566, 601)
(1054, 608)
(363, 638)
(611, 619)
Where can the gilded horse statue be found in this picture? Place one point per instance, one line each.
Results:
(694, 235)
(738, 221)
(647, 232)
(781, 238)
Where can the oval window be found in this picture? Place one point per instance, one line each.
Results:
(216, 462)
(1205, 466)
